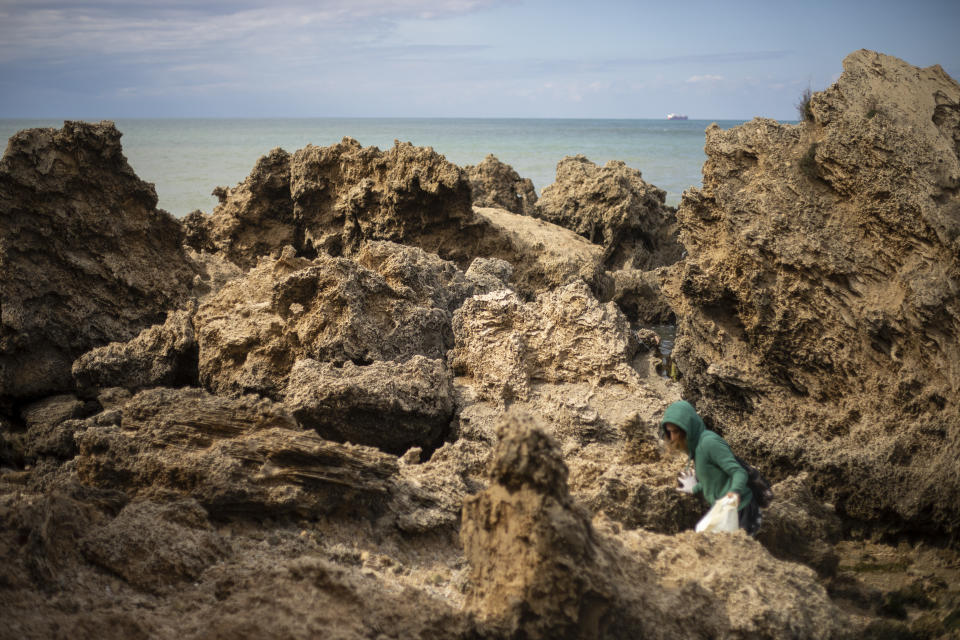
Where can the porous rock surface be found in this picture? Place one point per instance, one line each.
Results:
(163, 355)
(614, 207)
(230, 455)
(498, 185)
(532, 498)
(388, 405)
(332, 199)
(540, 569)
(87, 258)
(818, 306)
(565, 335)
(544, 256)
(327, 309)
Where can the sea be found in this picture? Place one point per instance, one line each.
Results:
(186, 159)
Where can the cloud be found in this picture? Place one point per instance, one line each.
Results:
(52, 30)
(704, 78)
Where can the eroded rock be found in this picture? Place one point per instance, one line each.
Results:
(233, 455)
(161, 356)
(798, 527)
(540, 569)
(544, 256)
(155, 545)
(388, 405)
(87, 256)
(819, 304)
(495, 184)
(566, 335)
(327, 309)
(613, 206)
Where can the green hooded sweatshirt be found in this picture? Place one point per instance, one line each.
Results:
(718, 472)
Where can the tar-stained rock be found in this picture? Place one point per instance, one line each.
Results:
(233, 455)
(327, 309)
(87, 256)
(155, 545)
(819, 306)
(565, 335)
(161, 356)
(495, 184)
(613, 206)
(389, 405)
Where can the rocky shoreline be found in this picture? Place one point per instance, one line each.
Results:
(377, 395)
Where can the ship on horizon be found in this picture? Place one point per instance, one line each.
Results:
(676, 116)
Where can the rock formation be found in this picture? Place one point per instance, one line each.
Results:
(242, 455)
(161, 356)
(539, 569)
(354, 406)
(495, 184)
(566, 335)
(544, 256)
(332, 199)
(87, 256)
(818, 307)
(388, 405)
(328, 309)
(612, 206)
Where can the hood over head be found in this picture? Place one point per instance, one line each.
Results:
(682, 414)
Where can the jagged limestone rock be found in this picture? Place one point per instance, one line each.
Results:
(495, 184)
(162, 355)
(233, 455)
(612, 206)
(87, 256)
(389, 405)
(565, 335)
(327, 309)
(819, 302)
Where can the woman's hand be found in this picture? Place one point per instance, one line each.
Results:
(735, 496)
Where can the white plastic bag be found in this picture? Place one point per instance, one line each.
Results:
(721, 517)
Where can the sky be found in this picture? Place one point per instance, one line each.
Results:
(95, 59)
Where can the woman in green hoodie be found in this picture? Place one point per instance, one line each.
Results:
(718, 473)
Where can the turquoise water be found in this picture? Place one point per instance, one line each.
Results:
(187, 158)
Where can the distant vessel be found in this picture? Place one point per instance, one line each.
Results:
(676, 116)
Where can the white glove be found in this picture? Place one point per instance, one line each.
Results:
(687, 480)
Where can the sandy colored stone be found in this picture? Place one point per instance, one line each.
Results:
(498, 185)
(161, 355)
(614, 207)
(540, 569)
(388, 405)
(544, 256)
(819, 303)
(327, 309)
(565, 335)
(243, 455)
(154, 546)
(87, 256)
